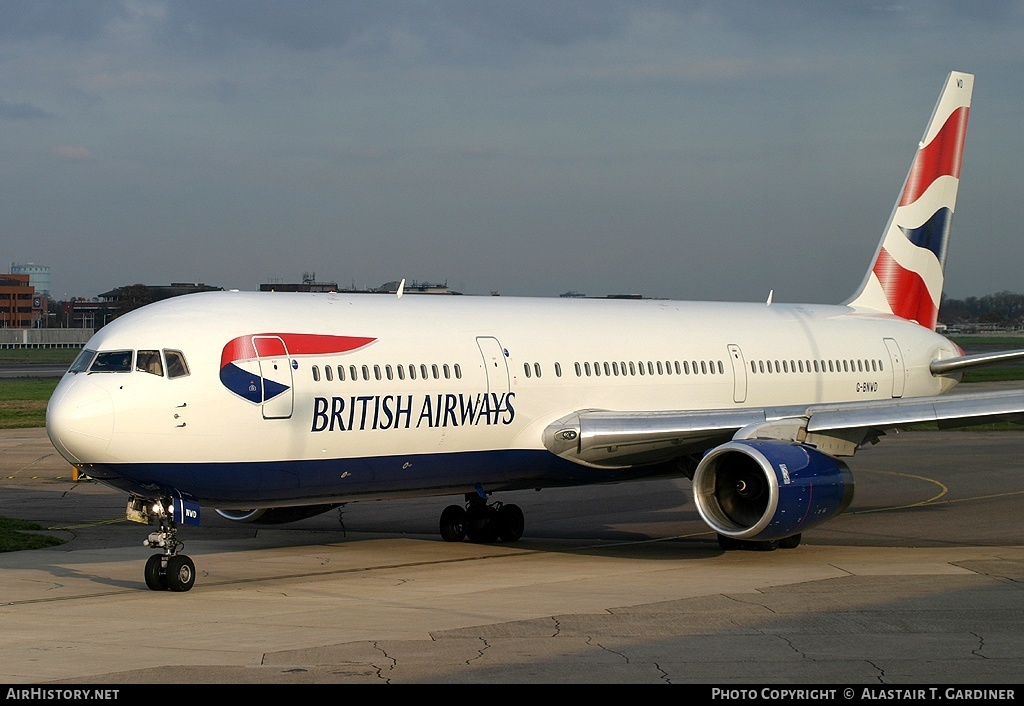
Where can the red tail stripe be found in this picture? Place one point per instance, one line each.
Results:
(270, 344)
(906, 292)
(940, 157)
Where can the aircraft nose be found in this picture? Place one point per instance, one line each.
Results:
(80, 420)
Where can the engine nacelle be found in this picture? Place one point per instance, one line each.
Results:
(768, 489)
(274, 515)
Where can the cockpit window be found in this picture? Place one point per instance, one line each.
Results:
(112, 362)
(176, 365)
(149, 362)
(81, 363)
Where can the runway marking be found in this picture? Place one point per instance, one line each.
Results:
(352, 570)
(935, 499)
(930, 501)
(97, 523)
(302, 575)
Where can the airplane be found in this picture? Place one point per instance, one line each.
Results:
(274, 407)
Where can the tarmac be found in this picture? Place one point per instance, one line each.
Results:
(920, 582)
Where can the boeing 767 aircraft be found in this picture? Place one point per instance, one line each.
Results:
(272, 407)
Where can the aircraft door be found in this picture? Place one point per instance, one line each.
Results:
(899, 372)
(275, 376)
(739, 374)
(495, 365)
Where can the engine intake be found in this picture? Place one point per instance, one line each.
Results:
(769, 489)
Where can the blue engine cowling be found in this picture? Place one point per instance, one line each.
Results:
(768, 489)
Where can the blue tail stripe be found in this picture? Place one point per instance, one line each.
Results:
(249, 385)
(933, 234)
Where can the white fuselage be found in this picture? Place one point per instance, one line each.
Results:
(454, 375)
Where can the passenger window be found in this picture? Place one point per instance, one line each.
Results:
(327, 373)
(458, 371)
(176, 365)
(316, 373)
(149, 362)
(112, 362)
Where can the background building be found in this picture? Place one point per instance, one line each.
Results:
(309, 283)
(20, 305)
(38, 276)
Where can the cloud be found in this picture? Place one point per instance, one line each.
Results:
(72, 153)
(76, 20)
(320, 24)
(22, 111)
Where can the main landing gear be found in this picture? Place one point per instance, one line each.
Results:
(169, 570)
(482, 523)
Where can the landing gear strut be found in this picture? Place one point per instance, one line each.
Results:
(482, 523)
(169, 570)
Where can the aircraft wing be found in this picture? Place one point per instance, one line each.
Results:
(608, 439)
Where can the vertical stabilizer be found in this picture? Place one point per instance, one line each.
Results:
(906, 273)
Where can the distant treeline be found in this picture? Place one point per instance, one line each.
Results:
(999, 308)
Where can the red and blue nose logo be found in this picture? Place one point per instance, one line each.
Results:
(258, 367)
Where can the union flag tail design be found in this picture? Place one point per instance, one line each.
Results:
(906, 274)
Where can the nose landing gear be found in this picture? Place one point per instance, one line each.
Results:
(169, 570)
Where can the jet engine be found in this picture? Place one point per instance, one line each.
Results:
(769, 489)
(275, 515)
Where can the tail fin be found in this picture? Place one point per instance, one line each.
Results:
(906, 274)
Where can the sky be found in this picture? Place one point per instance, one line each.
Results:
(713, 150)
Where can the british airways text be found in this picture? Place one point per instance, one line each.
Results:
(372, 412)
